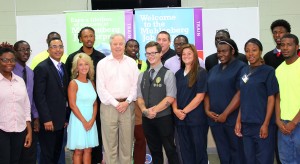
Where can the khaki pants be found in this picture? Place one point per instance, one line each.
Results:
(117, 133)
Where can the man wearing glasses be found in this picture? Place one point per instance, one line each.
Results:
(212, 60)
(173, 63)
(23, 51)
(44, 54)
(50, 95)
(156, 92)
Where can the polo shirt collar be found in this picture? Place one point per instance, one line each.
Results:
(157, 68)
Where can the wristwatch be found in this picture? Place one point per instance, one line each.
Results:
(128, 101)
(145, 112)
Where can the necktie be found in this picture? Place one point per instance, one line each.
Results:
(152, 74)
(60, 72)
(24, 76)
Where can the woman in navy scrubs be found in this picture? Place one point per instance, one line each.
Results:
(255, 122)
(191, 121)
(223, 100)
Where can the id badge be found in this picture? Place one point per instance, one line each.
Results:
(245, 78)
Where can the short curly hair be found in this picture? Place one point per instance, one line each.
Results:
(84, 28)
(283, 23)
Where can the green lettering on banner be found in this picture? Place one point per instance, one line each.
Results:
(104, 23)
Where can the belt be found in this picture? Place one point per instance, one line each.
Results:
(121, 99)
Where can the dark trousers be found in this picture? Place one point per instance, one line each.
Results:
(160, 132)
(62, 157)
(51, 145)
(139, 152)
(229, 146)
(11, 144)
(29, 155)
(193, 143)
(97, 155)
(177, 145)
(258, 150)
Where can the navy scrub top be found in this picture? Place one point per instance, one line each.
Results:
(222, 86)
(261, 83)
(185, 95)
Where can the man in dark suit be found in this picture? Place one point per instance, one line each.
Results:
(212, 60)
(50, 95)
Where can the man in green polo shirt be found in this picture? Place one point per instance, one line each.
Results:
(287, 101)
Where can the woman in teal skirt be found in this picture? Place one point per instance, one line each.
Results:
(82, 129)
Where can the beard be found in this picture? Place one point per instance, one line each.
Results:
(88, 46)
(288, 57)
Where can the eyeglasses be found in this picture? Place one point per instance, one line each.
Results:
(5, 60)
(151, 53)
(57, 47)
(224, 29)
(25, 50)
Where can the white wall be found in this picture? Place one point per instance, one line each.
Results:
(269, 10)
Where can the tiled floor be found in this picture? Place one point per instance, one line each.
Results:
(213, 158)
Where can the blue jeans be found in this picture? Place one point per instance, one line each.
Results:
(289, 146)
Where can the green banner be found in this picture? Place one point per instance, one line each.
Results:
(104, 23)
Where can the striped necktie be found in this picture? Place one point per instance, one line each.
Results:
(60, 73)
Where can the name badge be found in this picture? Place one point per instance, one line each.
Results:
(245, 78)
(157, 82)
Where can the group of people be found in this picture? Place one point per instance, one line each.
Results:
(245, 102)
(168, 102)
